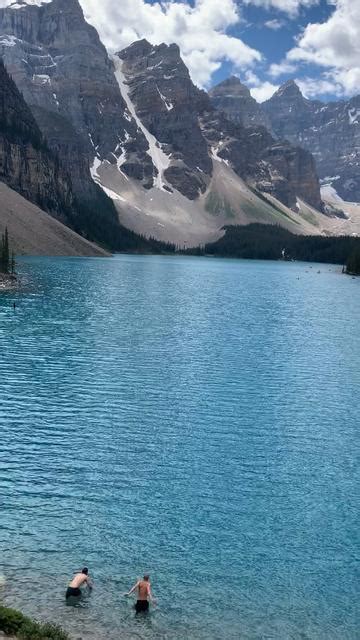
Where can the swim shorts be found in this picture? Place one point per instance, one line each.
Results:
(141, 606)
(71, 592)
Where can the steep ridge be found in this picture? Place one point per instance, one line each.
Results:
(330, 131)
(167, 104)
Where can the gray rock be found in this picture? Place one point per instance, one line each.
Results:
(330, 131)
(279, 168)
(168, 104)
(26, 164)
(66, 77)
(235, 100)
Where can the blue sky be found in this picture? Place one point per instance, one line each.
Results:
(264, 42)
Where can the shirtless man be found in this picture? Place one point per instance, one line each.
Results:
(144, 594)
(78, 580)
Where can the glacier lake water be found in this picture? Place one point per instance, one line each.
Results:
(193, 418)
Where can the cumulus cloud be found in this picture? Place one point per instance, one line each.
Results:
(201, 30)
(313, 87)
(291, 7)
(333, 45)
(276, 70)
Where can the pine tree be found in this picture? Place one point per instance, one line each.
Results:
(13, 263)
(6, 251)
(5, 263)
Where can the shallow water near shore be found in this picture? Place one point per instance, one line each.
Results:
(193, 418)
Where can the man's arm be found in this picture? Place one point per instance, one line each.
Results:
(133, 589)
(89, 582)
(151, 597)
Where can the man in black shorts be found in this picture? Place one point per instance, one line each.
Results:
(80, 579)
(144, 594)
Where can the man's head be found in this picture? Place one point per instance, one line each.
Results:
(85, 570)
(146, 577)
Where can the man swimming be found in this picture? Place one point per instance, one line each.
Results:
(78, 581)
(144, 594)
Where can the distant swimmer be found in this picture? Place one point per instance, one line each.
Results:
(144, 595)
(80, 579)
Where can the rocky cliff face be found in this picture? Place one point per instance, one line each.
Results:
(277, 168)
(26, 164)
(235, 100)
(67, 79)
(330, 131)
(168, 104)
(189, 132)
(64, 73)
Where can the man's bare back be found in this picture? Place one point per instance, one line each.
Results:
(73, 590)
(143, 589)
(78, 580)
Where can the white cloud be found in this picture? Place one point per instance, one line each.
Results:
(276, 70)
(201, 31)
(264, 91)
(334, 45)
(313, 87)
(274, 24)
(291, 7)
(259, 89)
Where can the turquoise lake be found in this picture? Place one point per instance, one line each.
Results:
(194, 418)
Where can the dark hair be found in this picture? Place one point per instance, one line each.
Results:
(85, 570)
(146, 577)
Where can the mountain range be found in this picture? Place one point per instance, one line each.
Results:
(127, 144)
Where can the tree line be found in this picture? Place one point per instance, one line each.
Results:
(271, 242)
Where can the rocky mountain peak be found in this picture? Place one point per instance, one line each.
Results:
(288, 91)
(163, 60)
(330, 131)
(235, 100)
(231, 87)
(157, 87)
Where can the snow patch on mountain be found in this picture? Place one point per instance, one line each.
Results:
(354, 116)
(168, 104)
(328, 192)
(20, 4)
(41, 78)
(160, 160)
(8, 41)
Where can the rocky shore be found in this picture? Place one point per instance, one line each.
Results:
(8, 281)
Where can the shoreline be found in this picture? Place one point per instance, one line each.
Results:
(14, 622)
(8, 282)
